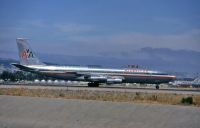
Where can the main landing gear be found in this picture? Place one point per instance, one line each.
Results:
(93, 84)
(157, 86)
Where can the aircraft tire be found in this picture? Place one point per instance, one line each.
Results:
(157, 87)
(93, 84)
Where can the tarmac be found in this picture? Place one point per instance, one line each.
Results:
(35, 112)
(191, 91)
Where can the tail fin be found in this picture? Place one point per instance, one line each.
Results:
(26, 54)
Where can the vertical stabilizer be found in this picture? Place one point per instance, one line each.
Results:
(26, 54)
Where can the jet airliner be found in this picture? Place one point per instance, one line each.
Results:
(94, 76)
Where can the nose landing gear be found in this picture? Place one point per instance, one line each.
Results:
(157, 86)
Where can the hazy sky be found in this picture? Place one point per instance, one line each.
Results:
(100, 27)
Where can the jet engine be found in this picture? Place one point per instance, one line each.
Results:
(97, 78)
(114, 80)
(105, 79)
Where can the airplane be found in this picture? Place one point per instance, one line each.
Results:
(93, 75)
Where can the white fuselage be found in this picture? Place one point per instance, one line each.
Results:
(101, 74)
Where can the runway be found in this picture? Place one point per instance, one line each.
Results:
(109, 88)
(31, 112)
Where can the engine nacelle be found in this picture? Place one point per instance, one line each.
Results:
(114, 80)
(104, 79)
(97, 78)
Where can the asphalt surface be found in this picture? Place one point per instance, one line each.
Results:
(111, 89)
(30, 112)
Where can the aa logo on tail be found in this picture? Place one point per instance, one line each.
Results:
(26, 54)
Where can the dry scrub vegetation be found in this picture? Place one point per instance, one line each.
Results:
(163, 98)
